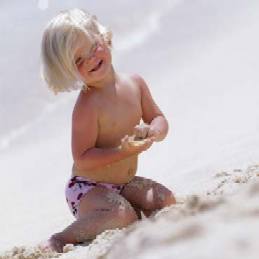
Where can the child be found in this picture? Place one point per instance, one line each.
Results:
(107, 137)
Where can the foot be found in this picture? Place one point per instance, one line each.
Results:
(54, 244)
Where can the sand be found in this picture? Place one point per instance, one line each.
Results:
(200, 60)
(220, 222)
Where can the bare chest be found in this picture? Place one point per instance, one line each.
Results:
(118, 116)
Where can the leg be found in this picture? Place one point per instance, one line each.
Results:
(100, 209)
(147, 195)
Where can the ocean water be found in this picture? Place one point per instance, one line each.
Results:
(200, 59)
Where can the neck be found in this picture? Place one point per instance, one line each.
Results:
(108, 80)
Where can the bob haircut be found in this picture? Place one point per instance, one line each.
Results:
(59, 42)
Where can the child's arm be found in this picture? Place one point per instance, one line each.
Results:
(84, 135)
(94, 158)
(152, 115)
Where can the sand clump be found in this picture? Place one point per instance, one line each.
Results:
(196, 226)
(92, 250)
(28, 253)
(228, 182)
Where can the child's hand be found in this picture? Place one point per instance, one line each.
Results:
(141, 131)
(144, 130)
(131, 146)
(154, 133)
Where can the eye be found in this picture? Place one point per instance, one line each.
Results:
(79, 61)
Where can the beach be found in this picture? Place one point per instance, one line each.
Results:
(200, 60)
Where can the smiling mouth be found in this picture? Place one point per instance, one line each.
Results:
(97, 67)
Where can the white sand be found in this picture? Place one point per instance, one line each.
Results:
(201, 61)
(221, 224)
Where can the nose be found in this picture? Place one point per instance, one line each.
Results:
(99, 48)
(95, 55)
(92, 60)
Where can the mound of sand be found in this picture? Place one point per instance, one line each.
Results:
(221, 223)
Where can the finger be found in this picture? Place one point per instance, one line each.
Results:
(150, 138)
(132, 138)
(151, 133)
(124, 142)
(149, 141)
(122, 145)
(127, 141)
(153, 138)
(123, 139)
(146, 144)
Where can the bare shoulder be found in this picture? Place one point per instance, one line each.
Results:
(150, 109)
(85, 103)
(135, 81)
(139, 82)
(85, 111)
(137, 78)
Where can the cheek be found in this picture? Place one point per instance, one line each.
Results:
(82, 70)
(106, 53)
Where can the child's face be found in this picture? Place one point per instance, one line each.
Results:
(92, 59)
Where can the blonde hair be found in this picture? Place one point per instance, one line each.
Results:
(59, 41)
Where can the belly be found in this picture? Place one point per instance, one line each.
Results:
(118, 172)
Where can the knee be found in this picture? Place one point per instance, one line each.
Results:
(169, 199)
(122, 210)
(126, 216)
(130, 217)
(162, 197)
(165, 198)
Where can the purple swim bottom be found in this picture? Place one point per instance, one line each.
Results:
(78, 186)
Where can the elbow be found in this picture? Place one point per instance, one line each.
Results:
(86, 164)
(78, 165)
(161, 125)
(83, 165)
(82, 161)
(165, 130)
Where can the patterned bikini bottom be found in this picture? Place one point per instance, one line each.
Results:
(78, 186)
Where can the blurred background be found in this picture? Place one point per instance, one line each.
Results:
(200, 59)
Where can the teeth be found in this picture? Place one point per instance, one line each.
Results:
(97, 66)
